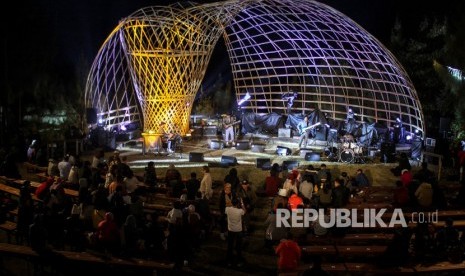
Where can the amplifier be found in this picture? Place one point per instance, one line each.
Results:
(258, 147)
(284, 132)
(196, 157)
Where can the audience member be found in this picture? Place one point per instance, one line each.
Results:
(289, 254)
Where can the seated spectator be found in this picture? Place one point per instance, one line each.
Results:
(361, 180)
(424, 174)
(447, 242)
(318, 228)
(108, 235)
(281, 197)
(403, 164)
(324, 174)
(424, 195)
(289, 254)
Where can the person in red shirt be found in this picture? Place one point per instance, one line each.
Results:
(294, 201)
(272, 183)
(289, 254)
(108, 235)
(44, 188)
(406, 177)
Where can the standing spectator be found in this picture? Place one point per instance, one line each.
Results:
(172, 174)
(233, 179)
(324, 174)
(52, 169)
(406, 177)
(249, 198)
(291, 184)
(273, 183)
(340, 194)
(306, 188)
(64, 167)
(274, 234)
(294, 201)
(401, 196)
(206, 183)
(324, 196)
(98, 159)
(131, 183)
(234, 215)
(289, 254)
(226, 199)
(192, 186)
(150, 175)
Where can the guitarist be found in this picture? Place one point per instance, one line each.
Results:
(304, 131)
(228, 127)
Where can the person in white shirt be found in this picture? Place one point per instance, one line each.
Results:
(306, 187)
(206, 183)
(131, 182)
(64, 167)
(234, 216)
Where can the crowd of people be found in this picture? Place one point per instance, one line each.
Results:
(109, 215)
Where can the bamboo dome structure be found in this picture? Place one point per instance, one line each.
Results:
(152, 65)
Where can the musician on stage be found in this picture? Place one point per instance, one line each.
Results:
(228, 128)
(303, 132)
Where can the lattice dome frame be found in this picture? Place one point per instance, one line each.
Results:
(274, 47)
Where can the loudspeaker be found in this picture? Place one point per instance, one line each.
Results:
(229, 160)
(196, 157)
(91, 115)
(290, 164)
(264, 163)
(215, 144)
(284, 132)
(283, 151)
(258, 147)
(312, 156)
(321, 133)
(210, 131)
(388, 152)
(242, 145)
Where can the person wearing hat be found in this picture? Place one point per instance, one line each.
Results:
(291, 183)
(249, 197)
(114, 160)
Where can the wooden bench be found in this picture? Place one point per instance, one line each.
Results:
(372, 269)
(33, 168)
(349, 251)
(441, 267)
(86, 258)
(10, 228)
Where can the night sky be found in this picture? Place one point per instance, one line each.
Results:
(72, 30)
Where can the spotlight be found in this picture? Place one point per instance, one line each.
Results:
(408, 137)
(398, 120)
(246, 98)
(123, 128)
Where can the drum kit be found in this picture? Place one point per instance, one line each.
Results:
(348, 151)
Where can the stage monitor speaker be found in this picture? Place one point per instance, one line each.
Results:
(196, 157)
(258, 147)
(228, 160)
(312, 156)
(264, 163)
(290, 165)
(210, 131)
(304, 152)
(283, 151)
(91, 115)
(284, 132)
(216, 144)
(243, 145)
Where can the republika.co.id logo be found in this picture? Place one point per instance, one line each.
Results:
(341, 217)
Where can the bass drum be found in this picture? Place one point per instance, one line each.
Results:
(347, 156)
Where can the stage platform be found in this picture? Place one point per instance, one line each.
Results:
(276, 149)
